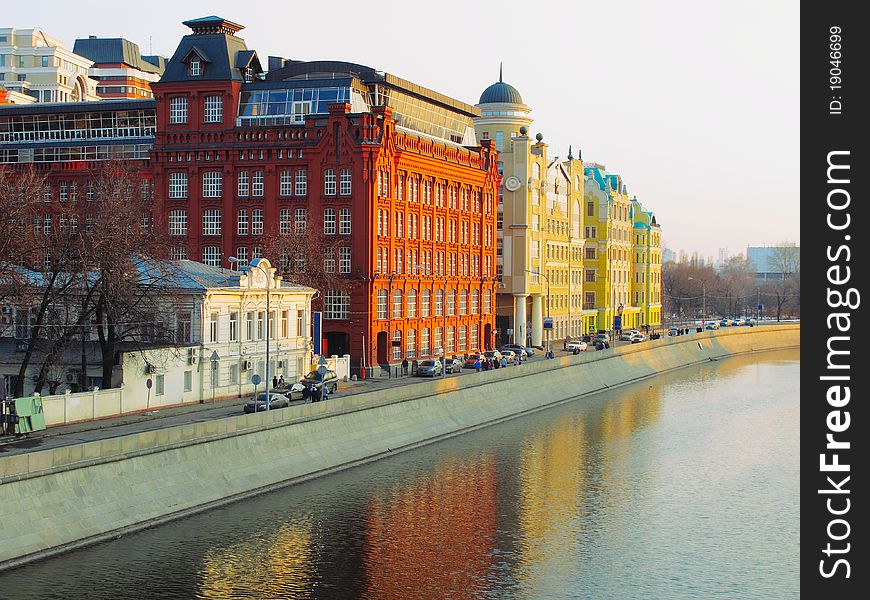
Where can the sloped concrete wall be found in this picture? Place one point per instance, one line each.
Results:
(85, 493)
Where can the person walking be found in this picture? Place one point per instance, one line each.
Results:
(405, 366)
(477, 364)
(517, 359)
(274, 381)
(503, 361)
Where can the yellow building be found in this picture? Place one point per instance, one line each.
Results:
(36, 64)
(647, 268)
(622, 255)
(540, 226)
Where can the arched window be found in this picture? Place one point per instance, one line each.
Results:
(424, 303)
(412, 303)
(475, 302)
(382, 304)
(424, 342)
(451, 302)
(463, 331)
(451, 339)
(411, 344)
(439, 303)
(397, 305)
(463, 302)
(397, 345)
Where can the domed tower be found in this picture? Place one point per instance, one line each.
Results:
(502, 113)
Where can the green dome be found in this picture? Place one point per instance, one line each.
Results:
(500, 92)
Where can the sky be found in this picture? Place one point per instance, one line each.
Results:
(695, 104)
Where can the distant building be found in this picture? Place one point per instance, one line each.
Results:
(668, 255)
(773, 262)
(119, 68)
(36, 64)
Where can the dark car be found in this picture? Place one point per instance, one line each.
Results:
(312, 384)
(275, 401)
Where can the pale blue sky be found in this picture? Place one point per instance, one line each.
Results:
(696, 104)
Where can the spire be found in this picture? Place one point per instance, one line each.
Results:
(570, 153)
(499, 71)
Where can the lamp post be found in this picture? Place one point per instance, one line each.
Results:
(703, 300)
(549, 331)
(256, 264)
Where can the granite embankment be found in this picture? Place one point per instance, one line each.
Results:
(58, 499)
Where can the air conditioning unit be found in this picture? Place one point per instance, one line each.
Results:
(72, 376)
(149, 368)
(247, 365)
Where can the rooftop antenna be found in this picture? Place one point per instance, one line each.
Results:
(150, 48)
(499, 72)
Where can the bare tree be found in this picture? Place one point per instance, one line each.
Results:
(785, 262)
(20, 192)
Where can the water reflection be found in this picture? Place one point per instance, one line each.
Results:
(682, 486)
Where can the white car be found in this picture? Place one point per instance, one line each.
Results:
(576, 345)
(637, 337)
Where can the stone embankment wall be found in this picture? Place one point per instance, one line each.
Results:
(59, 499)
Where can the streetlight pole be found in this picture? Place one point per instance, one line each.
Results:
(258, 265)
(549, 331)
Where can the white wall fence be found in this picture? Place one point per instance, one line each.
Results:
(70, 407)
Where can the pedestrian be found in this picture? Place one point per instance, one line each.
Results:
(517, 360)
(274, 381)
(477, 364)
(281, 381)
(325, 392)
(503, 361)
(405, 366)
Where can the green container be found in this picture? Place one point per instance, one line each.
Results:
(30, 415)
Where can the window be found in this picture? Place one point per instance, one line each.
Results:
(63, 191)
(178, 253)
(451, 302)
(472, 338)
(439, 303)
(213, 327)
(159, 385)
(463, 302)
(436, 342)
(188, 381)
(242, 221)
(177, 186)
(211, 184)
(261, 325)
(344, 221)
(257, 221)
(211, 255)
(234, 374)
(412, 303)
(424, 303)
(336, 305)
(463, 332)
(345, 188)
(234, 326)
(177, 110)
(301, 182)
(344, 259)
(329, 182)
(213, 109)
(451, 339)
(397, 304)
(285, 187)
(300, 220)
(382, 304)
(329, 260)
(590, 209)
(244, 182)
(329, 221)
(284, 221)
(487, 303)
(285, 322)
(257, 184)
(424, 342)
(411, 344)
(183, 327)
(211, 221)
(195, 68)
(475, 302)
(590, 253)
(177, 222)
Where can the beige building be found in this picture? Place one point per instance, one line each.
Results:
(36, 64)
(540, 226)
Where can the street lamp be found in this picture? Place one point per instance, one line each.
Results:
(703, 300)
(257, 264)
(549, 331)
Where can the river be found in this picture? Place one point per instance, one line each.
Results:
(681, 486)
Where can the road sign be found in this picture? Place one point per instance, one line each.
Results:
(149, 383)
(214, 357)
(617, 322)
(256, 379)
(760, 307)
(548, 322)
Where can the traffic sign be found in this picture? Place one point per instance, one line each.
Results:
(214, 357)
(149, 383)
(256, 379)
(548, 322)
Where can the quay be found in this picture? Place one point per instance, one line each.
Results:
(88, 485)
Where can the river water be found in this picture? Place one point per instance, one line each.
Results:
(682, 486)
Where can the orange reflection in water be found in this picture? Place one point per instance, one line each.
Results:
(275, 566)
(434, 537)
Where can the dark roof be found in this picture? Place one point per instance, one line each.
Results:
(217, 48)
(113, 51)
(500, 92)
(156, 60)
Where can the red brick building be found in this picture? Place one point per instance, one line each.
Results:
(390, 169)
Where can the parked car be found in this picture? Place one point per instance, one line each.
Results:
(637, 337)
(739, 321)
(726, 322)
(454, 365)
(529, 350)
(712, 325)
(521, 350)
(576, 345)
(493, 354)
(626, 337)
(429, 368)
(673, 331)
(311, 386)
(602, 336)
(509, 356)
(275, 401)
(471, 359)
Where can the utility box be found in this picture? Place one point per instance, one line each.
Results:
(30, 415)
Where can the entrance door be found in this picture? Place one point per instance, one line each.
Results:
(338, 343)
(383, 348)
